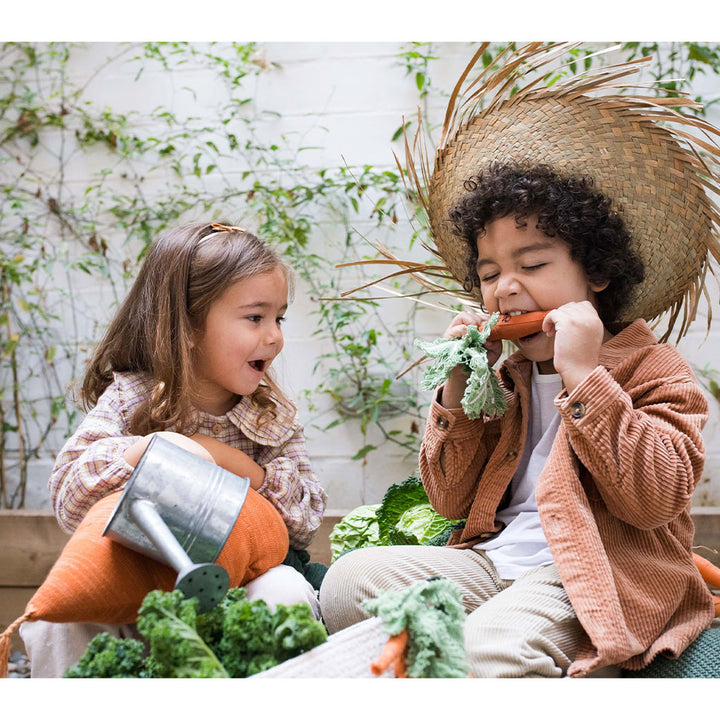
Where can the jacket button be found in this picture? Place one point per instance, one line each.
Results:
(443, 423)
(577, 410)
(511, 455)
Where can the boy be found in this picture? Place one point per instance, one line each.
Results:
(576, 552)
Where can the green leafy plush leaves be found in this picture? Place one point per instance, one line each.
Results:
(433, 614)
(483, 394)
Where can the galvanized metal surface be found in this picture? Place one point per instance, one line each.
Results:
(179, 509)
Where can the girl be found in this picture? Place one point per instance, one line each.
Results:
(189, 355)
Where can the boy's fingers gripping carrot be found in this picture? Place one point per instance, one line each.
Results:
(512, 327)
(394, 650)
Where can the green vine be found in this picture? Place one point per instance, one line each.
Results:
(69, 248)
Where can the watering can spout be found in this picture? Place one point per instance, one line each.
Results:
(207, 582)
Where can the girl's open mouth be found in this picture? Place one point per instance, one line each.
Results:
(258, 365)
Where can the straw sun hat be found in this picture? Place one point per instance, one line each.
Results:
(644, 153)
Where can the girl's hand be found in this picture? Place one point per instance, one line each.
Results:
(579, 334)
(455, 385)
(232, 459)
(133, 453)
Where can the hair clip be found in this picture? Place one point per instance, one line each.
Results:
(218, 227)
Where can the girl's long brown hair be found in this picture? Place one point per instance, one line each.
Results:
(185, 271)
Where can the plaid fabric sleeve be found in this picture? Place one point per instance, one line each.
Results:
(91, 464)
(292, 487)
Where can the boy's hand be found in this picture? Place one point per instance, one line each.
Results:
(454, 388)
(579, 334)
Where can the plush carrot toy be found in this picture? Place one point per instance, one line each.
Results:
(394, 654)
(425, 623)
(711, 575)
(483, 395)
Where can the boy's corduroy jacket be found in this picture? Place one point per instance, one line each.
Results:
(613, 498)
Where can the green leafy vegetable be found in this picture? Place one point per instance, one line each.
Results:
(483, 394)
(357, 529)
(237, 638)
(296, 631)
(404, 517)
(110, 657)
(168, 622)
(247, 645)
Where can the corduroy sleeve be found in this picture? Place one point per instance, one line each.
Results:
(452, 454)
(639, 433)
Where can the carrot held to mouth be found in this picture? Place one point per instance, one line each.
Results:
(512, 327)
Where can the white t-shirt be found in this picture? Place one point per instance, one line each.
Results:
(521, 545)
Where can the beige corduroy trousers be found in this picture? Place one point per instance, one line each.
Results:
(521, 628)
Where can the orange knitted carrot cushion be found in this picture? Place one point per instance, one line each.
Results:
(96, 579)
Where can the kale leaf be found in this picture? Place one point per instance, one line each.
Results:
(110, 657)
(483, 394)
(237, 638)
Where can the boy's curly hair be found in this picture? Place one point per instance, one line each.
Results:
(566, 207)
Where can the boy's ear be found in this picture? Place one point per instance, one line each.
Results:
(599, 286)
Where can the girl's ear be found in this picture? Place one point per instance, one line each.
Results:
(195, 338)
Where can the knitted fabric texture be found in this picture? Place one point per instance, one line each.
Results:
(700, 660)
(483, 394)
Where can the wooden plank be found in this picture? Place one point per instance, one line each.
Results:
(30, 543)
(320, 548)
(12, 607)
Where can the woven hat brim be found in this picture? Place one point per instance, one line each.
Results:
(650, 178)
(653, 173)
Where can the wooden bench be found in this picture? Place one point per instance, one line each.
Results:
(30, 542)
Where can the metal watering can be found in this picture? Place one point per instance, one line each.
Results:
(179, 509)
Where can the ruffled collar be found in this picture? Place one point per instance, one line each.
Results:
(245, 415)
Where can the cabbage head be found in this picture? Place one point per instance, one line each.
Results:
(406, 517)
(358, 529)
(418, 525)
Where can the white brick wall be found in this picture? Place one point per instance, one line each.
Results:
(347, 99)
